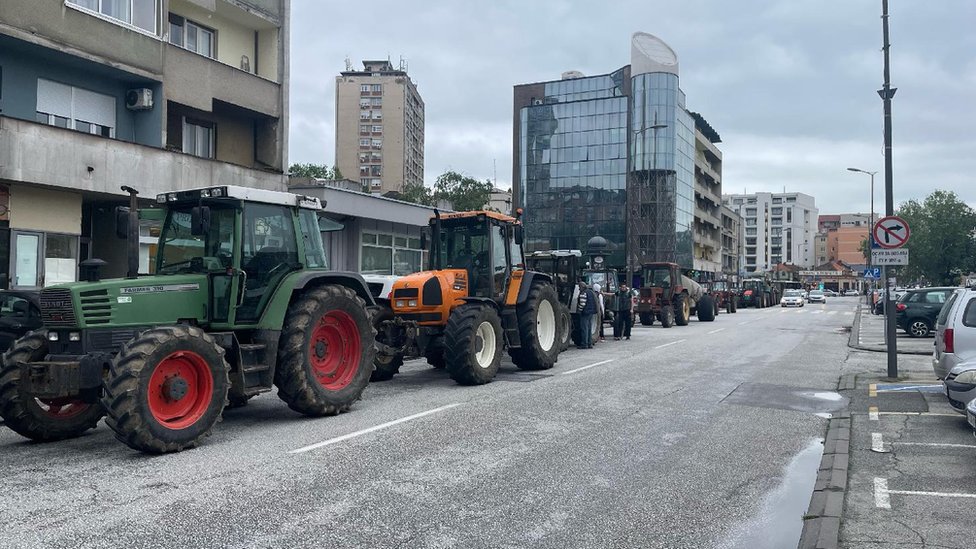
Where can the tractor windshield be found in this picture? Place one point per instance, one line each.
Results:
(182, 252)
(659, 277)
(720, 286)
(463, 244)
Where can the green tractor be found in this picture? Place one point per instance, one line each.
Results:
(241, 300)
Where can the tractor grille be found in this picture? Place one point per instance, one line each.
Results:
(110, 340)
(57, 309)
(96, 307)
(406, 292)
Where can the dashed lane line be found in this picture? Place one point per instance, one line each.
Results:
(715, 331)
(388, 424)
(588, 366)
(668, 344)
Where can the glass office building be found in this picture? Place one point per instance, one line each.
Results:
(588, 149)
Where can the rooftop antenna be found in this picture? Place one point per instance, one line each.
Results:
(494, 169)
(348, 64)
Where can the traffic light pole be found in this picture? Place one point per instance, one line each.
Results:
(886, 93)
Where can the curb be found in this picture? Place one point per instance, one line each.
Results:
(852, 340)
(821, 523)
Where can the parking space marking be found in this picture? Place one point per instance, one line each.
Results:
(586, 367)
(873, 413)
(882, 497)
(716, 331)
(918, 414)
(901, 387)
(873, 390)
(342, 438)
(668, 344)
(877, 443)
(935, 444)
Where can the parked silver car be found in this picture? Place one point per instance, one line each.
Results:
(960, 386)
(955, 332)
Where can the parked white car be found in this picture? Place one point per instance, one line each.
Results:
(955, 332)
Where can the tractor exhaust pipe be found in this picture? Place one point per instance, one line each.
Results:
(435, 242)
(132, 239)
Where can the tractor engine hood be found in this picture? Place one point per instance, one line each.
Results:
(429, 296)
(127, 302)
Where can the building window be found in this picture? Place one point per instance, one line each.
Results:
(364, 143)
(378, 129)
(777, 211)
(777, 200)
(189, 35)
(364, 129)
(377, 115)
(390, 254)
(364, 115)
(751, 211)
(364, 103)
(198, 138)
(75, 108)
(789, 215)
(376, 102)
(377, 143)
(137, 13)
(364, 88)
(777, 220)
(751, 231)
(375, 183)
(377, 88)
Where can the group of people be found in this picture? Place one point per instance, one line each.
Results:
(591, 305)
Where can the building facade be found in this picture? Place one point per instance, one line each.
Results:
(611, 155)
(500, 200)
(159, 95)
(708, 233)
(379, 127)
(731, 243)
(777, 228)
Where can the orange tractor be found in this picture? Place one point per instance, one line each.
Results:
(476, 300)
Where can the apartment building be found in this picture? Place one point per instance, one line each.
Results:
(731, 243)
(777, 228)
(159, 95)
(379, 127)
(707, 234)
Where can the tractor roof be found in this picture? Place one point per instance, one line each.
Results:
(234, 192)
(475, 213)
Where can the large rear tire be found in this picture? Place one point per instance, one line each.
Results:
(384, 366)
(43, 420)
(538, 324)
(646, 319)
(473, 344)
(326, 351)
(706, 308)
(166, 389)
(682, 310)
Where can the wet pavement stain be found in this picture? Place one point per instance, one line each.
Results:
(785, 397)
(780, 522)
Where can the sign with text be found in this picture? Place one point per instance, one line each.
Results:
(890, 257)
(821, 273)
(891, 232)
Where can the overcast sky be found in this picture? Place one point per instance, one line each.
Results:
(789, 85)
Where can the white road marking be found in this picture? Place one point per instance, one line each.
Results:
(915, 387)
(586, 367)
(667, 344)
(919, 414)
(371, 429)
(744, 323)
(881, 492)
(831, 312)
(716, 331)
(877, 443)
(873, 413)
(936, 444)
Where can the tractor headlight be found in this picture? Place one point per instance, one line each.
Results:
(74, 336)
(52, 336)
(412, 303)
(205, 193)
(401, 304)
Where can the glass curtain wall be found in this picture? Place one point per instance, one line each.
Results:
(573, 150)
(662, 177)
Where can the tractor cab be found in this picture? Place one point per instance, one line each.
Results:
(486, 245)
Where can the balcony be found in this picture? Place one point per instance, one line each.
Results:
(196, 81)
(46, 155)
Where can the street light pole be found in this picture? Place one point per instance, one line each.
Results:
(871, 215)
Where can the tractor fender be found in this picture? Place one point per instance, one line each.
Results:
(274, 313)
(482, 300)
(528, 279)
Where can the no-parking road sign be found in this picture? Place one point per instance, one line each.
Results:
(891, 232)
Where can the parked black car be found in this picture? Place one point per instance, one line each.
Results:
(20, 312)
(916, 311)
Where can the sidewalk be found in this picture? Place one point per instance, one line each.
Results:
(868, 335)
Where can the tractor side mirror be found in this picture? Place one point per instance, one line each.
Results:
(519, 234)
(200, 220)
(122, 222)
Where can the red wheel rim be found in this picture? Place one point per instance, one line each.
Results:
(180, 390)
(334, 350)
(62, 408)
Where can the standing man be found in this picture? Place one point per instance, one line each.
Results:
(587, 309)
(623, 312)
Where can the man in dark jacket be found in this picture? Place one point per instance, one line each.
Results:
(587, 310)
(623, 312)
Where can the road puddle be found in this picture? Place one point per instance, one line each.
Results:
(780, 520)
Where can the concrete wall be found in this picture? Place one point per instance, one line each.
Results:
(45, 155)
(45, 210)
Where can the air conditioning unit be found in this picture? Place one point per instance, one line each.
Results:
(536, 101)
(139, 99)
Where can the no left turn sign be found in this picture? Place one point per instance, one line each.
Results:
(891, 232)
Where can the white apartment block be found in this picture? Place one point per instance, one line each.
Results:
(776, 228)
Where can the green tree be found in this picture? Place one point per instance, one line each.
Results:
(463, 192)
(418, 194)
(941, 240)
(318, 171)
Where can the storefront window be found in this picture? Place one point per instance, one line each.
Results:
(386, 254)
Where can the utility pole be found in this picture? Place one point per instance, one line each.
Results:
(886, 93)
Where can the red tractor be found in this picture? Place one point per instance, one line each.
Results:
(671, 297)
(725, 296)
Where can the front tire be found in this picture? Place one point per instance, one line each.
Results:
(384, 366)
(667, 316)
(42, 420)
(646, 319)
(473, 344)
(706, 309)
(166, 389)
(326, 351)
(682, 310)
(538, 329)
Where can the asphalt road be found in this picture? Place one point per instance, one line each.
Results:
(681, 437)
